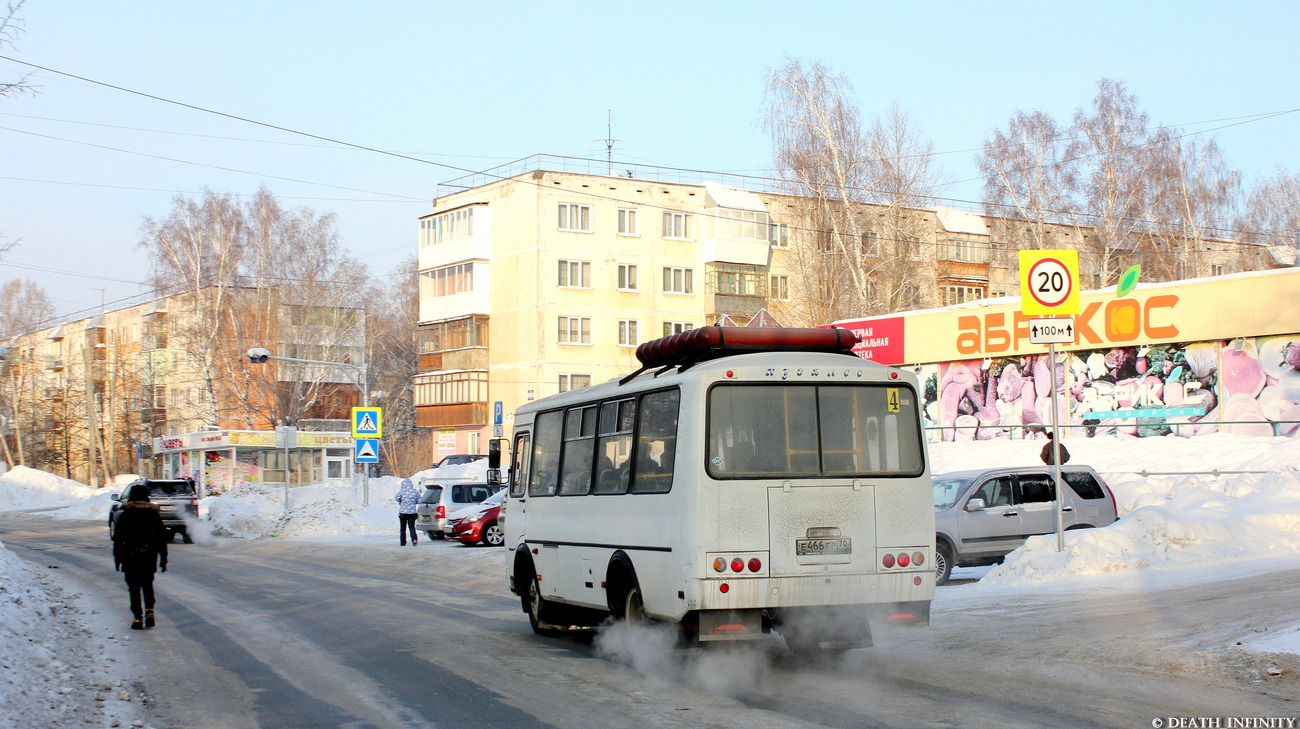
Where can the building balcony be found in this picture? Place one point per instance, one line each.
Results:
(453, 414)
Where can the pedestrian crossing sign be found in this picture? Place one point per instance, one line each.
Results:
(367, 422)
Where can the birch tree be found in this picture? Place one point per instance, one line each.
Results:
(849, 258)
(1195, 199)
(1271, 215)
(258, 275)
(1111, 145)
(11, 29)
(24, 307)
(393, 355)
(1028, 176)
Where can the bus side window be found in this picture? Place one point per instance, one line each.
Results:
(579, 444)
(547, 429)
(519, 468)
(656, 447)
(614, 447)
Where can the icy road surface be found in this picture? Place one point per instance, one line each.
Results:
(356, 631)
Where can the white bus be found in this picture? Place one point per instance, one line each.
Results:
(744, 480)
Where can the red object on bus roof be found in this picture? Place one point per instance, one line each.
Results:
(710, 342)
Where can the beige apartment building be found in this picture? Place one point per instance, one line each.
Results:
(535, 278)
(109, 388)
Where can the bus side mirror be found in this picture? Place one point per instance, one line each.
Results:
(494, 462)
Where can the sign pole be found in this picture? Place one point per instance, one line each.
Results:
(1056, 451)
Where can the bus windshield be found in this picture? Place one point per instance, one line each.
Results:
(809, 430)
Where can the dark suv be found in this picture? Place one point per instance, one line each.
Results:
(177, 501)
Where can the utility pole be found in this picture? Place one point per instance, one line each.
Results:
(92, 425)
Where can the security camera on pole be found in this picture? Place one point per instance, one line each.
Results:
(1049, 284)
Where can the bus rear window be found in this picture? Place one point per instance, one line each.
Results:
(813, 431)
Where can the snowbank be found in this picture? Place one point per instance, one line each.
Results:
(27, 488)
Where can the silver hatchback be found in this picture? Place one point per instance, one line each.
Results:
(982, 515)
(441, 498)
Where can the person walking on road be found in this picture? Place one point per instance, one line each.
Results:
(139, 550)
(1048, 456)
(408, 499)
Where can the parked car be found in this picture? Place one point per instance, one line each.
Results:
(480, 523)
(441, 498)
(982, 515)
(457, 459)
(177, 500)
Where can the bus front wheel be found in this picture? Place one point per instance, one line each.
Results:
(633, 606)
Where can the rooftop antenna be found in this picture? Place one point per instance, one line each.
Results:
(609, 143)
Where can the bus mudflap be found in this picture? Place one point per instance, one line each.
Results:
(730, 625)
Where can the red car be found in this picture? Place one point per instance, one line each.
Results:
(480, 522)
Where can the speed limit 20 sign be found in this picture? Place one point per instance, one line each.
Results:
(1049, 282)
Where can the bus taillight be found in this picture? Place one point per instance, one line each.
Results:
(755, 564)
(738, 565)
(719, 565)
(887, 561)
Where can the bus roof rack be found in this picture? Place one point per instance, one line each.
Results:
(705, 343)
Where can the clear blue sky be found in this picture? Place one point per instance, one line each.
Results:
(473, 85)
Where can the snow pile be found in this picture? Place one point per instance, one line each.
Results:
(27, 488)
(41, 683)
(1183, 524)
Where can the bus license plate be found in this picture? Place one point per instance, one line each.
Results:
(833, 545)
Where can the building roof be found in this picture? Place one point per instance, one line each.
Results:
(722, 196)
(960, 221)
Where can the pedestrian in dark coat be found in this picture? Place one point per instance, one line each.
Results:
(139, 550)
(1047, 455)
(408, 502)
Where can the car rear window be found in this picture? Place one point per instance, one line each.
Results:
(470, 493)
(1084, 485)
(170, 488)
(431, 495)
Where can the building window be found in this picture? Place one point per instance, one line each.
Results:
(575, 330)
(575, 274)
(781, 288)
(1216, 269)
(628, 223)
(627, 335)
(447, 228)
(455, 334)
(964, 250)
(679, 280)
(446, 281)
(961, 294)
(677, 327)
(871, 244)
(778, 234)
(738, 279)
(627, 277)
(451, 388)
(575, 217)
(677, 225)
(748, 224)
(573, 382)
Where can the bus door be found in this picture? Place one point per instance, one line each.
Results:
(513, 518)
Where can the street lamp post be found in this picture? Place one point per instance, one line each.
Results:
(260, 355)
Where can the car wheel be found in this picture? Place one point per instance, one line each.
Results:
(431, 535)
(186, 538)
(493, 536)
(942, 563)
(112, 528)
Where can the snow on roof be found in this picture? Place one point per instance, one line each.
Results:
(960, 221)
(732, 197)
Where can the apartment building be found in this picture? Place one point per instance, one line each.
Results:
(536, 279)
(112, 384)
